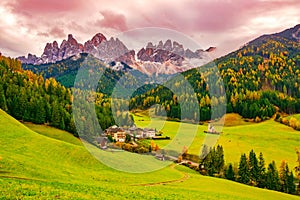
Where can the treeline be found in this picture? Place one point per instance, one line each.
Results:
(29, 97)
(251, 170)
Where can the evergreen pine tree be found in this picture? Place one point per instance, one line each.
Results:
(55, 115)
(253, 165)
(244, 176)
(219, 159)
(291, 187)
(230, 173)
(40, 114)
(261, 171)
(272, 179)
(3, 104)
(283, 176)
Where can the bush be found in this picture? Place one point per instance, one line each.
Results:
(284, 121)
(257, 119)
(292, 122)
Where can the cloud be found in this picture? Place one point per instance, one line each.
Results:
(211, 15)
(112, 20)
(226, 23)
(57, 32)
(54, 32)
(33, 7)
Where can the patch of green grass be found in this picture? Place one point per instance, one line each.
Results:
(36, 166)
(54, 133)
(297, 116)
(276, 141)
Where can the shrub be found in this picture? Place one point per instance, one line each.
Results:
(284, 121)
(257, 119)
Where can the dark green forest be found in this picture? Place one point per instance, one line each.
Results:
(31, 98)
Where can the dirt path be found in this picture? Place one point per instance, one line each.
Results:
(183, 178)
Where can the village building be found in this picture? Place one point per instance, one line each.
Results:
(119, 133)
(119, 136)
(102, 142)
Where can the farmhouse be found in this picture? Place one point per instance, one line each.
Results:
(141, 133)
(117, 133)
(120, 136)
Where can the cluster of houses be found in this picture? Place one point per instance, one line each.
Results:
(119, 133)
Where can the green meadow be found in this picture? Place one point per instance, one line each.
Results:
(276, 141)
(40, 162)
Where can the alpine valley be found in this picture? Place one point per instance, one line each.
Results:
(47, 143)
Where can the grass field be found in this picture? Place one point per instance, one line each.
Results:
(297, 116)
(276, 141)
(43, 164)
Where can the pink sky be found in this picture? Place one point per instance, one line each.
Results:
(26, 25)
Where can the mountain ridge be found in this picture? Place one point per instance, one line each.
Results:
(164, 58)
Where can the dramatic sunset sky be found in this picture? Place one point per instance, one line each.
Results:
(26, 25)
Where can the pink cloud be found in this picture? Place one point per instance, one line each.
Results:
(42, 34)
(217, 22)
(57, 32)
(209, 15)
(32, 7)
(112, 20)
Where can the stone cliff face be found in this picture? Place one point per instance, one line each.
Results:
(166, 58)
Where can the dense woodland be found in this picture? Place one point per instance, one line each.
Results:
(29, 97)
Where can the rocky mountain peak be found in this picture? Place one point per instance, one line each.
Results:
(97, 39)
(168, 45)
(168, 51)
(168, 56)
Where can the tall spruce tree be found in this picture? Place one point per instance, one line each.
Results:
(244, 175)
(219, 159)
(291, 187)
(272, 179)
(253, 166)
(3, 104)
(229, 174)
(261, 181)
(283, 176)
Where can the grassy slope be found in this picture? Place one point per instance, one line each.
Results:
(275, 140)
(54, 133)
(35, 166)
(297, 116)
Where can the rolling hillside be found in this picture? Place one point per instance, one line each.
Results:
(37, 166)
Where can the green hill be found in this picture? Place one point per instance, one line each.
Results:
(36, 166)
